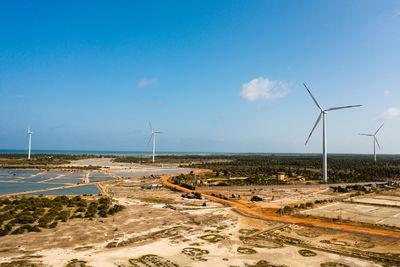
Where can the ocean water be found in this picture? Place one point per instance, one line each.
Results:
(97, 152)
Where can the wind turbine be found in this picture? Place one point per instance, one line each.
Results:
(153, 135)
(29, 146)
(375, 140)
(324, 144)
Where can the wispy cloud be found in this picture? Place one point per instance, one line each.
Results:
(386, 92)
(389, 114)
(264, 88)
(147, 82)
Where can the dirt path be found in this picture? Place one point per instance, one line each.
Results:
(270, 214)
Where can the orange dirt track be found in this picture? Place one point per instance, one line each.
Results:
(270, 214)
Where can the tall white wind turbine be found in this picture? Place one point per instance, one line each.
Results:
(29, 145)
(324, 144)
(375, 140)
(153, 135)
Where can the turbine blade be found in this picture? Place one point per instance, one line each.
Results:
(315, 101)
(315, 125)
(379, 128)
(376, 140)
(148, 142)
(367, 134)
(151, 128)
(336, 108)
(159, 132)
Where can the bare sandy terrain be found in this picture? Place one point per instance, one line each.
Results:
(160, 228)
(363, 212)
(145, 228)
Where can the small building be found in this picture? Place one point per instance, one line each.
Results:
(281, 176)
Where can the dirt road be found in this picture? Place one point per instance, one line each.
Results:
(270, 214)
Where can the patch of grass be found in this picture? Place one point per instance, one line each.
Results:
(156, 200)
(333, 264)
(263, 263)
(151, 260)
(76, 263)
(242, 250)
(248, 231)
(260, 242)
(212, 238)
(307, 253)
(195, 252)
(17, 264)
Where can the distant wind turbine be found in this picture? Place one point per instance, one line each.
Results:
(324, 144)
(375, 140)
(30, 139)
(153, 135)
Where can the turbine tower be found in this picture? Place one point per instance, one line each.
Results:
(30, 139)
(153, 135)
(375, 140)
(324, 144)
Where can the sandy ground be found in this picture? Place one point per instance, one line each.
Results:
(136, 232)
(181, 231)
(369, 210)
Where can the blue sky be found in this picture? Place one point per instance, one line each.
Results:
(214, 76)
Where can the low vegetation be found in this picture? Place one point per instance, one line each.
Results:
(76, 263)
(290, 209)
(31, 214)
(195, 253)
(262, 169)
(307, 253)
(333, 264)
(152, 261)
(263, 263)
(212, 238)
(20, 263)
(39, 159)
(248, 251)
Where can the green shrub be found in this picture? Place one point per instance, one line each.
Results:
(80, 209)
(18, 231)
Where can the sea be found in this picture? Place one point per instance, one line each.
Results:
(144, 153)
(101, 152)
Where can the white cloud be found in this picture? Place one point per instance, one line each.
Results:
(263, 88)
(389, 114)
(146, 82)
(387, 92)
